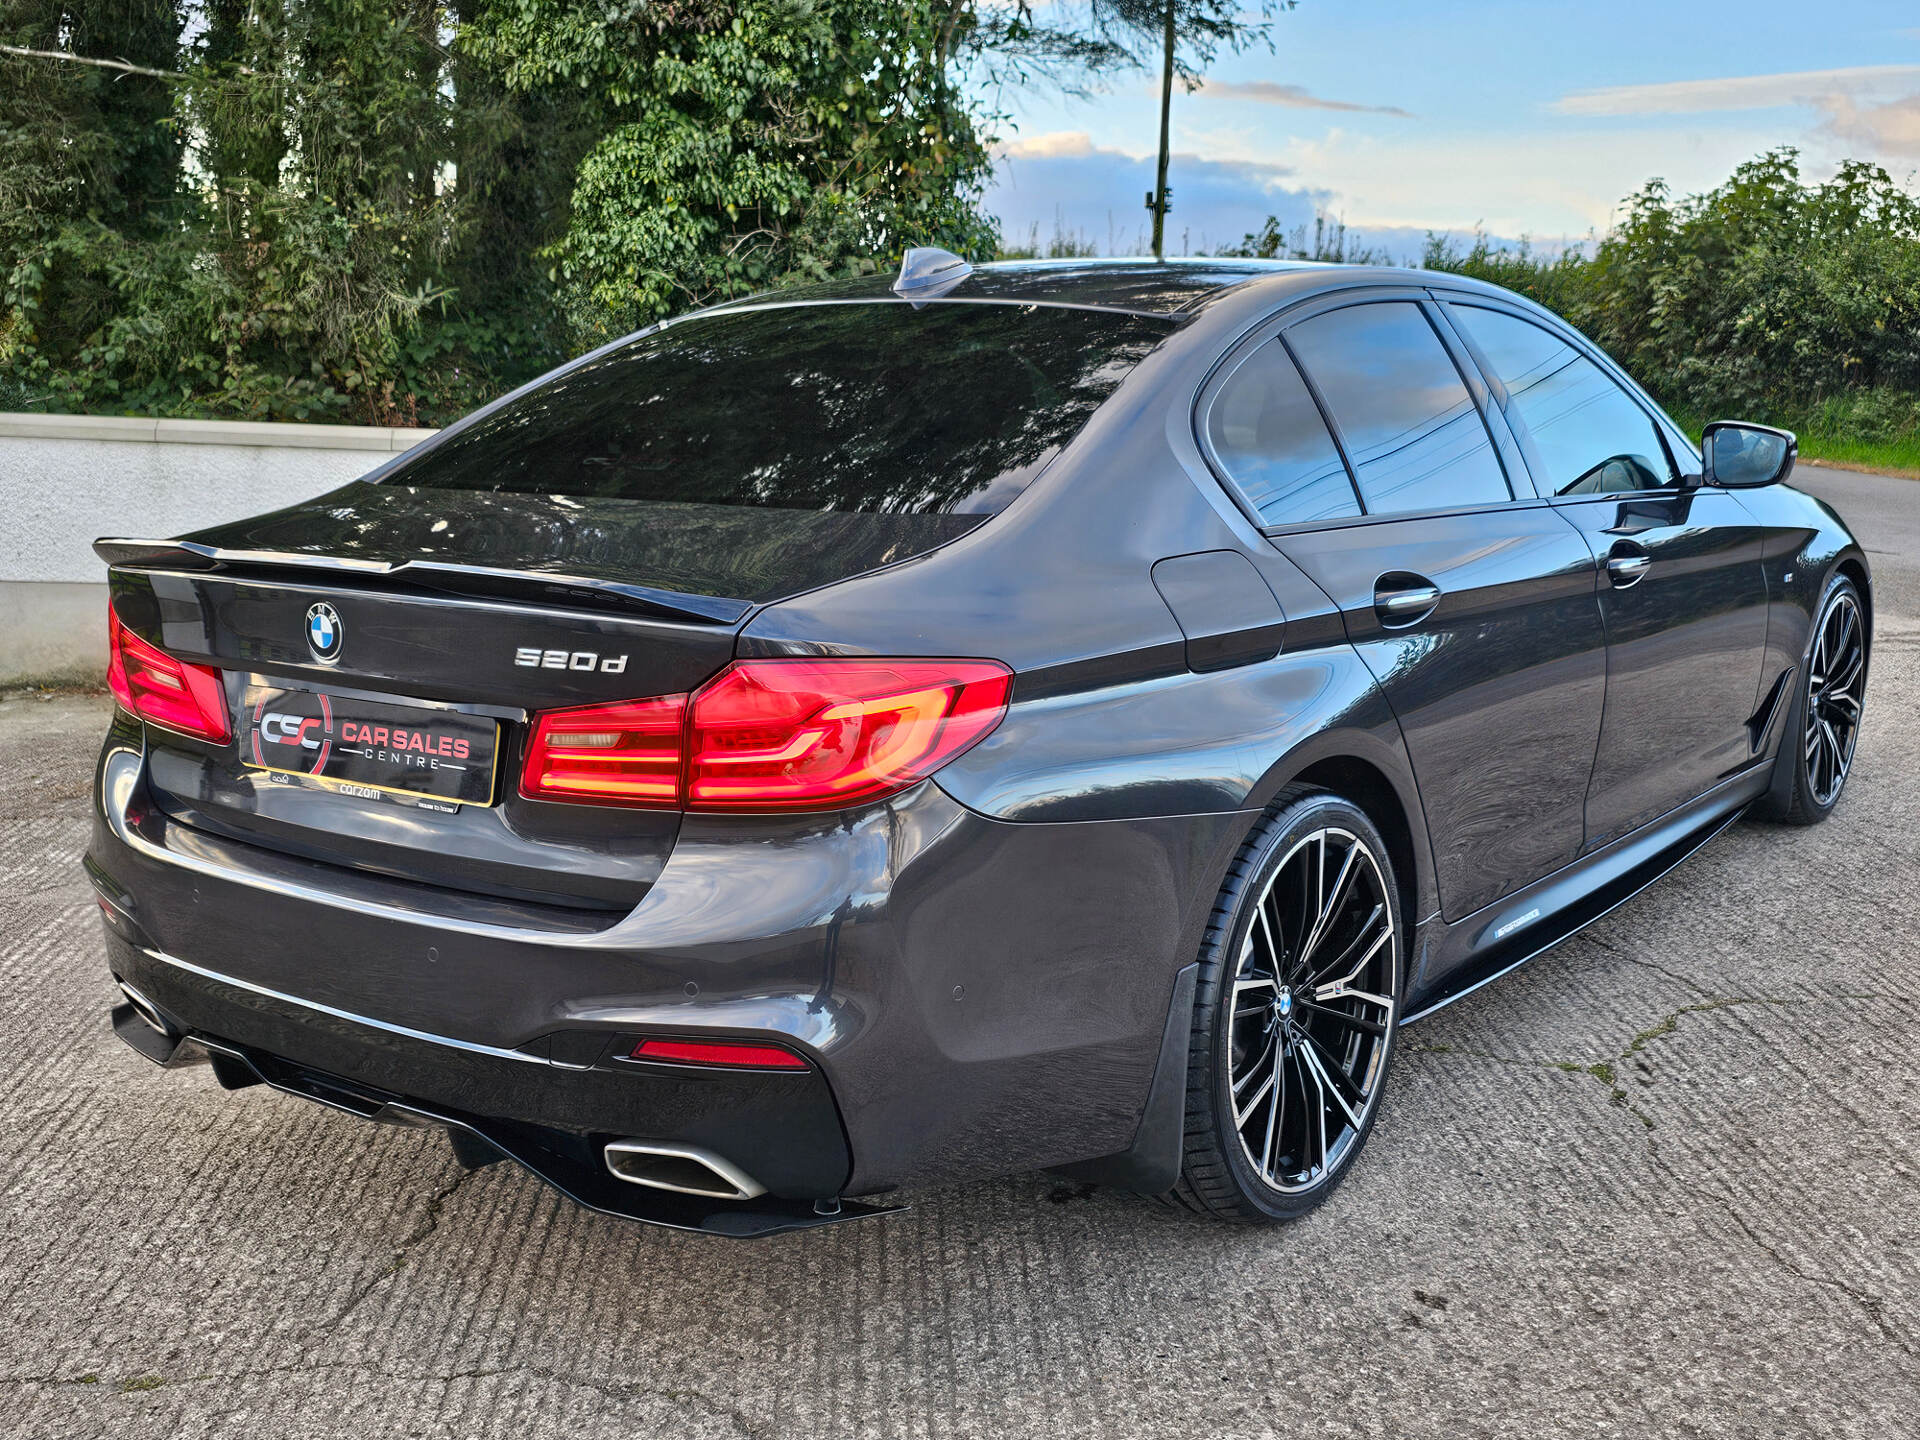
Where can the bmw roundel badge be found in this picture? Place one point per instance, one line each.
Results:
(324, 632)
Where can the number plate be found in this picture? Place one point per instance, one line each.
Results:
(406, 751)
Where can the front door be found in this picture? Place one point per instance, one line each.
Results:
(1685, 603)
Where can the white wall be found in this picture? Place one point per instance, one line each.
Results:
(66, 480)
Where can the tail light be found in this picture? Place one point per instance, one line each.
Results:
(163, 691)
(771, 735)
(625, 754)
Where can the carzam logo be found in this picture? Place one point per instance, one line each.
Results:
(325, 633)
(533, 657)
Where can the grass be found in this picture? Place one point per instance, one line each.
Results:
(1870, 431)
(1901, 457)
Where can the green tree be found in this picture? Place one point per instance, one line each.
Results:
(88, 164)
(1179, 38)
(745, 143)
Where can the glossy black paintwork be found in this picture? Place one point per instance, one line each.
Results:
(1148, 286)
(1514, 649)
(1684, 650)
(982, 967)
(743, 554)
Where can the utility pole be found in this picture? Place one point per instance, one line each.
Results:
(1159, 201)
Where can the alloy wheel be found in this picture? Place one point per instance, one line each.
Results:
(1834, 676)
(1314, 1003)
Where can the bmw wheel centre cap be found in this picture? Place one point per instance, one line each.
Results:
(324, 632)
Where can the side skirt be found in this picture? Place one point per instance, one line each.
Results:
(1505, 935)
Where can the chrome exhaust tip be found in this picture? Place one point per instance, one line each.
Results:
(684, 1169)
(144, 1008)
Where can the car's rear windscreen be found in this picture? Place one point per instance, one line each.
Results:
(945, 408)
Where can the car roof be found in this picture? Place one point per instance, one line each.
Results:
(1140, 286)
(1175, 288)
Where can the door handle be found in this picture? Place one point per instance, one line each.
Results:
(1404, 599)
(1627, 565)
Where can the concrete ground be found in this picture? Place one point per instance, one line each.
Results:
(1664, 1181)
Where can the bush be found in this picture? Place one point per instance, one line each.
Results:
(1766, 298)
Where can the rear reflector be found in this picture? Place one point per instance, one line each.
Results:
(737, 1053)
(153, 686)
(771, 735)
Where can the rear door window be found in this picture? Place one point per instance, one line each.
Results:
(1588, 435)
(944, 408)
(1412, 431)
(1267, 434)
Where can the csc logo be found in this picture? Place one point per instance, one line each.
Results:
(290, 729)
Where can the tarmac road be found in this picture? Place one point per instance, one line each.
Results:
(1664, 1181)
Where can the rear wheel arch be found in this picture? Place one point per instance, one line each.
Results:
(1368, 787)
(1359, 768)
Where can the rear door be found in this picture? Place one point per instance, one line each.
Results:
(1682, 589)
(1473, 606)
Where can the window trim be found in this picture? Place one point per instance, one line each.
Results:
(1664, 429)
(1204, 420)
(1274, 327)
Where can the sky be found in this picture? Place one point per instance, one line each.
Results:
(1525, 120)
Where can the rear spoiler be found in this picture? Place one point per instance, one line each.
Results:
(539, 587)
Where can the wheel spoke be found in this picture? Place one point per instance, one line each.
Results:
(1341, 1017)
(1320, 1123)
(1329, 901)
(1273, 949)
(1850, 669)
(1253, 1070)
(1333, 966)
(1253, 1102)
(1273, 1119)
(1340, 992)
(1330, 1076)
(1836, 759)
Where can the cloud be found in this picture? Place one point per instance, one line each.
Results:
(1294, 97)
(1063, 182)
(1886, 131)
(1740, 92)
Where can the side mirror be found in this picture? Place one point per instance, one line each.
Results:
(1739, 456)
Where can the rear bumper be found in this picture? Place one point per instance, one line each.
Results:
(572, 1164)
(974, 996)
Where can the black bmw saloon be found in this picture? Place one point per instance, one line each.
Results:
(1046, 716)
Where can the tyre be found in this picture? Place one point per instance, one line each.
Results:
(1830, 694)
(1297, 1009)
